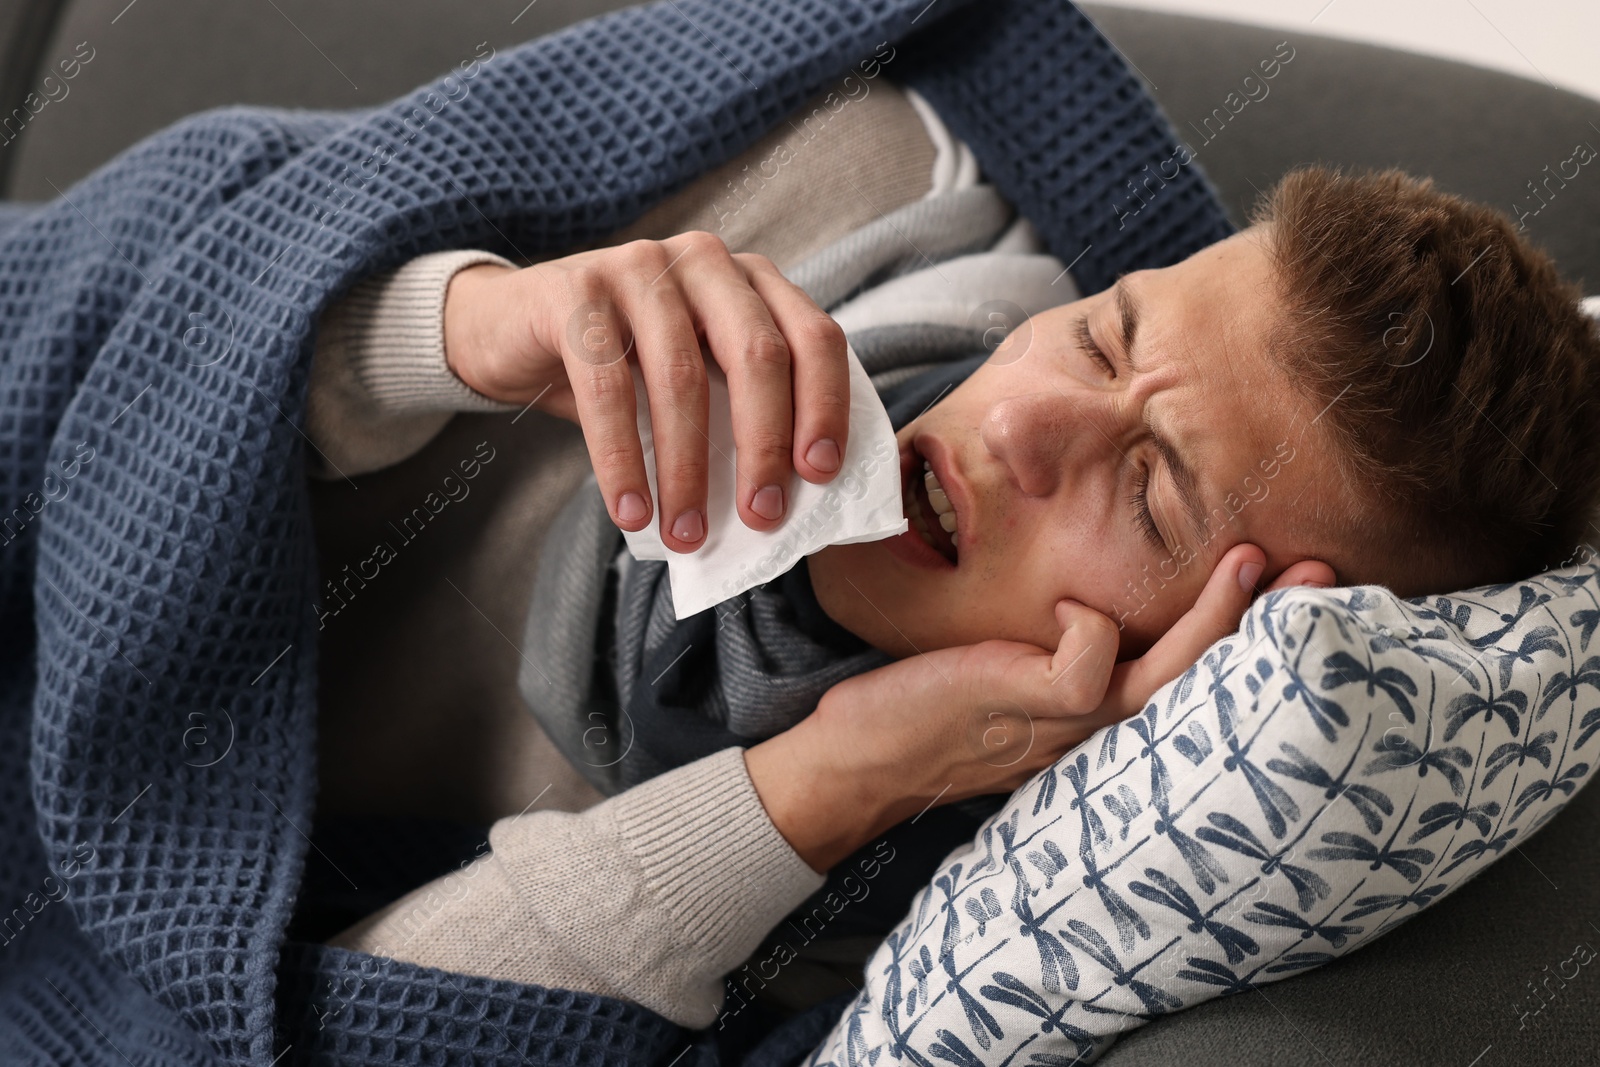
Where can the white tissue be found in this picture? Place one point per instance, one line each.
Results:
(860, 503)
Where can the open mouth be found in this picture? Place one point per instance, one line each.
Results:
(930, 512)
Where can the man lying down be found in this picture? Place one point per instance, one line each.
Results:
(1376, 382)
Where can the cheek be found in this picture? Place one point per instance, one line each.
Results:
(1013, 606)
(1148, 600)
(1141, 631)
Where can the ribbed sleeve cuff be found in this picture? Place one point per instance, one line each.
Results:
(710, 852)
(391, 331)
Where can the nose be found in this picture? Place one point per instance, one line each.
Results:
(1045, 436)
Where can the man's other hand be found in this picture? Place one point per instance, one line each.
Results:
(958, 722)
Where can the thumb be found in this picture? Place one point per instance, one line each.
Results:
(1215, 615)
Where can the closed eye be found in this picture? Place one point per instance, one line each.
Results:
(1086, 340)
(1141, 511)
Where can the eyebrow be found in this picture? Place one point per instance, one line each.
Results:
(1183, 475)
(1128, 314)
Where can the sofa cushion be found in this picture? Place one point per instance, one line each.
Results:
(1483, 134)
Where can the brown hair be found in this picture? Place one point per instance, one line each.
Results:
(1459, 377)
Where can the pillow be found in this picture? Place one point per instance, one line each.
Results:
(1317, 779)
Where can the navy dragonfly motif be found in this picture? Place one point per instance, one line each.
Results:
(1345, 761)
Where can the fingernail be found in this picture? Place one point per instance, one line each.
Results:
(1248, 573)
(768, 503)
(1316, 585)
(632, 508)
(690, 526)
(823, 454)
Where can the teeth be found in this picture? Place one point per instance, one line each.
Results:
(943, 511)
(939, 498)
(936, 493)
(914, 511)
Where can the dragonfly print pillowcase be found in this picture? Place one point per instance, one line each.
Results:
(1343, 762)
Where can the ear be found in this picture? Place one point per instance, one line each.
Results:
(1306, 572)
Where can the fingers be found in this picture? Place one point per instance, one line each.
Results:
(1079, 672)
(755, 355)
(1103, 692)
(1070, 681)
(785, 362)
(1084, 658)
(821, 370)
(594, 352)
(1312, 572)
(786, 365)
(676, 389)
(1215, 615)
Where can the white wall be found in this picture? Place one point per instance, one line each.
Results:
(1555, 41)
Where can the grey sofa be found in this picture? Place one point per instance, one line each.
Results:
(1475, 981)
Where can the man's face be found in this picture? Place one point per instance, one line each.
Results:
(1042, 452)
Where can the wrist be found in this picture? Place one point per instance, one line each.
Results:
(473, 315)
(821, 806)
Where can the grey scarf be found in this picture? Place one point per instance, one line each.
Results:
(624, 689)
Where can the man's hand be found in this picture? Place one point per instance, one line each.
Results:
(935, 728)
(559, 335)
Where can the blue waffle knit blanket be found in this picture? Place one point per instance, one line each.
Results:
(157, 570)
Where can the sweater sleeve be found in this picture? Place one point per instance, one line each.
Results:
(694, 876)
(380, 388)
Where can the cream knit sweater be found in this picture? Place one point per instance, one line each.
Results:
(650, 896)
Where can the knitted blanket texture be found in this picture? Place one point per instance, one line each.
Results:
(157, 572)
